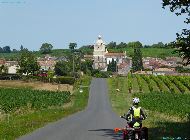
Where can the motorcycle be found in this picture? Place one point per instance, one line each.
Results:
(136, 131)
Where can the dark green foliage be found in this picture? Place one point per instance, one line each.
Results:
(28, 63)
(137, 60)
(63, 68)
(182, 69)
(86, 66)
(136, 44)
(100, 74)
(158, 45)
(64, 80)
(13, 99)
(5, 49)
(182, 43)
(46, 48)
(72, 46)
(6, 76)
(112, 45)
(87, 49)
(112, 66)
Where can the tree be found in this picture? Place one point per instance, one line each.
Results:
(158, 45)
(182, 43)
(137, 60)
(3, 69)
(21, 48)
(86, 66)
(46, 48)
(136, 44)
(63, 68)
(15, 50)
(112, 66)
(1, 50)
(72, 47)
(28, 63)
(122, 45)
(111, 45)
(6, 49)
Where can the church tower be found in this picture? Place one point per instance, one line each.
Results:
(99, 54)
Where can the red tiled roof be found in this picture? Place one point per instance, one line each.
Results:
(46, 63)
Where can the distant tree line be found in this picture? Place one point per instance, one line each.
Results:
(5, 49)
(136, 44)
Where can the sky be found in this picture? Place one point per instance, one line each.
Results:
(33, 22)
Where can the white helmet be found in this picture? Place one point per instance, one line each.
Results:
(136, 100)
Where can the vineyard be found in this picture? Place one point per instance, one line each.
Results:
(13, 99)
(166, 100)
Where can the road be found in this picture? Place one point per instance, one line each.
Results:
(96, 122)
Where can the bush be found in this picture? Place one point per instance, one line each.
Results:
(100, 74)
(9, 77)
(64, 80)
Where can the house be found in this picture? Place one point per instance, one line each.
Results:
(47, 65)
(12, 66)
(164, 71)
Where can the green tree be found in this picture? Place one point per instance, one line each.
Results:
(111, 45)
(158, 45)
(182, 43)
(112, 66)
(46, 48)
(63, 68)
(3, 69)
(86, 66)
(21, 48)
(1, 50)
(72, 47)
(136, 44)
(28, 63)
(122, 45)
(6, 49)
(137, 60)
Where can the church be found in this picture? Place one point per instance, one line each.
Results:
(102, 57)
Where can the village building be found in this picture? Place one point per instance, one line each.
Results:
(12, 66)
(101, 58)
(99, 55)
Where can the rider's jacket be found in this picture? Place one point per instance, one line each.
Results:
(135, 112)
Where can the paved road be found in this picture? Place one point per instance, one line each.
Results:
(96, 122)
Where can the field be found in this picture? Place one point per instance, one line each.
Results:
(149, 52)
(165, 99)
(146, 52)
(23, 110)
(37, 85)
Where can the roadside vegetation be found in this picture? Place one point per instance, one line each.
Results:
(24, 110)
(168, 111)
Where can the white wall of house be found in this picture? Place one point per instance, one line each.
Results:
(12, 69)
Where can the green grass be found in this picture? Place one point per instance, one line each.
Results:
(167, 113)
(149, 52)
(16, 124)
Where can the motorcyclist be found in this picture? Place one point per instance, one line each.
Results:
(134, 116)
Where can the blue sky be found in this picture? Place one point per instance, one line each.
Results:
(59, 22)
